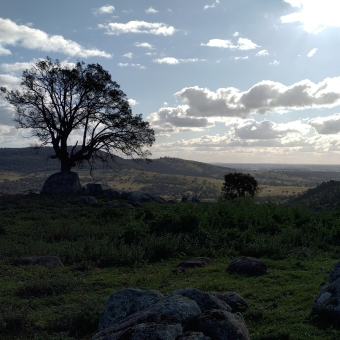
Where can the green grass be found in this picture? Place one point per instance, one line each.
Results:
(105, 248)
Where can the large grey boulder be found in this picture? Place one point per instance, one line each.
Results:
(249, 266)
(327, 302)
(234, 300)
(173, 310)
(125, 302)
(190, 335)
(204, 300)
(220, 324)
(148, 331)
(62, 183)
(335, 273)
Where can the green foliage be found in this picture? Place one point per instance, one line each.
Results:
(237, 184)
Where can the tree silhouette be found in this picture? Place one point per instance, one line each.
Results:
(237, 184)
(78, 104)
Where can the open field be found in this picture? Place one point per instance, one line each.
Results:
(105, 248)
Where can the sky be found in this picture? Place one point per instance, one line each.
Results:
(231, 81)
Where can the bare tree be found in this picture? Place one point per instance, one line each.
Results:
(55, 101)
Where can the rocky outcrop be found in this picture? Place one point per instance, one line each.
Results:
(247, 266)
(186, 314)
(45, 261)
(236, 302)
(335, 273)
(62, 183)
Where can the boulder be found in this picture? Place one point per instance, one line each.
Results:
(85, 200)
(219, 324)
(125, 302)
(247, 266)
(204, 300)
(335, 273)
(112, 193)
(185, 198)
(45, 261)
(62, 183)
(195, 199)
(236, 302)
(94, 189)
(171, 310)
(327, 302)
(193, 336)
(193, 263)
(149, 331)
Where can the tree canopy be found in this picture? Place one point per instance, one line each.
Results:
(238, 184)
(81, 111)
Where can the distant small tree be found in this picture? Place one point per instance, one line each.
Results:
(238, 184)
(81, 111)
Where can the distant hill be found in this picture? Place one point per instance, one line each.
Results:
(327, 194)
(29, 160)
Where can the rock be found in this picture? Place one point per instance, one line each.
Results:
(204, 300)
(125, 195)
(149, 331)
(195, 199)
(185, 198)
(193, 336)
(94, 189)
(247, 266)
(45, 261)
(175, 309)
(62, 183)
(146, 198)
(335, 273)
(234, 300)
(159, 199)
(85, 200)
(112, 193)
(193, 263)
(220, 324)
(327, 302)
(125, 302)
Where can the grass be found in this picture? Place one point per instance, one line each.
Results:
(105, 248)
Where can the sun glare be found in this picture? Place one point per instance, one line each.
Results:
(315, 15)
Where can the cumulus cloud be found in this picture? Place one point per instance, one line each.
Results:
(16, 67)
(137, 26)
(9, 81)
(107, 9)
(312, 52)
(241, 58)
(132, 102)
(314, 15)
(31, 38)
(326, 125)
(202, 108)
(145, 45)
(262, 53)
(242, 44)
(274, 63)
(128, 55)
(175, 61)
(131, 65)
(151, 11)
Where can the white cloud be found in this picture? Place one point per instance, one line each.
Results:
(262, 53)
(326, 125)
(150, 53)
(132, 102)
(16, 67)
(128, 55)
(136, 26)
(151, 11)
(10, 82)
(132, 65)
(242, 44)
(209, 6)
(312, 52)
(314, 15)
(145, 45)
(4, 51)
(107, 9)
(175, 61)
(236, 34)
(31, 38)
(202, 107)
(241, 58)
(274, 63)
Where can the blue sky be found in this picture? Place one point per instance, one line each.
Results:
(251, 81)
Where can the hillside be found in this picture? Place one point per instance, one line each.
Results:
(29, 160)
(325, 195)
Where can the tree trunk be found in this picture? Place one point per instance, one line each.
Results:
(66, 165)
